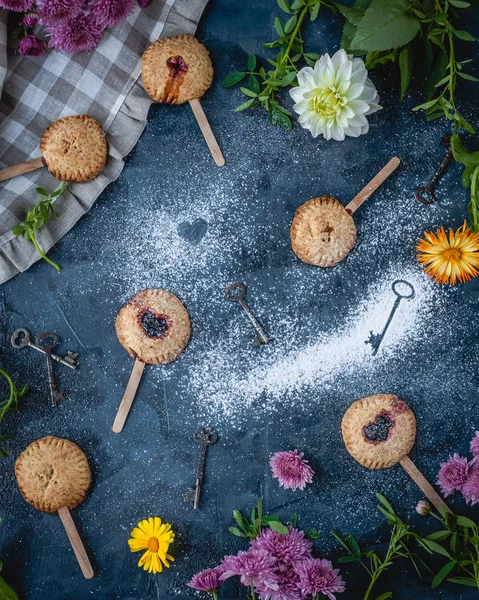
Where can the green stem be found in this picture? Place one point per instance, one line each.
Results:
(215, 595)
(251, 587)
(294, 34)
(40, 251)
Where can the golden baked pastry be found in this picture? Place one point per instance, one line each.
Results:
(52, 472)
(176, 69)
(153, 326)
(322, 233)
(379, 430)
(74, 148)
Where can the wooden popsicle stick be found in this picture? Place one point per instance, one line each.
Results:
(26, 167)
(128, 396)
(207, 132)
(75, 541)
(424, 485)
(373, 185)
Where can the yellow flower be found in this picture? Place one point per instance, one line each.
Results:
(155, 537)
(448, 259)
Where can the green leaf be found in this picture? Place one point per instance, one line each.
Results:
(465, 522)
(347, 559)
(18, 229)
(436, 548)
(288, 79)
(251, 64)
(405, 65)
(443, 573)
(259, 508)
(464, 35)
(293, 520)
(353, 545)
(426, 105)
(236, 531)
(253, 84)
(248, 92)
(385, 502)
(41, 191)
(386, 25)
(233, 79)
(27, 236)
(315, 12)
(468, 77)
(284, 5)
(385, 596)
(463, 581)
(312, 534)
(290, 24)
(238, 517)
(438, 536)
(6, 592)
(278, 117)
(279, 26)
(437, 73)
(351, 13)
(459, 4)
(244, 106)
(279, 527)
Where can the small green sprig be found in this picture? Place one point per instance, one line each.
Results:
(375, 566)
(10, 404)
(470, 178)
(264, 85)
(43, 212)
(252, 529)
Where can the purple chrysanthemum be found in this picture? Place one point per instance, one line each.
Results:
(287, 587)
(207, 580)
(291, 470)
(254, 567)
(79, 35)
(475, 444)
(31, 46)
(317, 576)
(288, 548)
(423, 508)
(30, 19)
(452, 474)
(58, 12)
(470, 489)
(16, 5)
(110, 12)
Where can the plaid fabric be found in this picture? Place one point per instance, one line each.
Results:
(102, 83)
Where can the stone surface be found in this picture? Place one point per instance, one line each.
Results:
(174, 220)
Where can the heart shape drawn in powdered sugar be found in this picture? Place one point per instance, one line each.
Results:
(193, 232)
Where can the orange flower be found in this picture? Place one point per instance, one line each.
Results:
(449, 259)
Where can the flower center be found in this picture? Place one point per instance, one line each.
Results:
(326, 103)
(153, 544)
(452, 254)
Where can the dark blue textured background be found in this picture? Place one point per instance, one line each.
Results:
(111, 254)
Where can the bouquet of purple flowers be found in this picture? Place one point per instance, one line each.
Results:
(70, 25)
(278, 564)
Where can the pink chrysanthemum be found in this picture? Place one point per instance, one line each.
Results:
(475, 444)
(470, 489)
(423, 508)
(288, 548)
(79, 35)
(57, 12)
(291, 470)
(287, 587)
(108, 13)
(452, 474)
(31, 46)
(16, 5)
(207, 580)
(30, 19)
(317, 576)
(253, 566)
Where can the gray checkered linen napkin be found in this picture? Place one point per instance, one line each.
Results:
(104, 84)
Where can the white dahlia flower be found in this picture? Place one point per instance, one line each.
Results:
(334, 98)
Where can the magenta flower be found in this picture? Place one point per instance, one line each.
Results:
(475, 444)
(423, 508)
(17, 5)
(57, 12)
(287, 587)
(317, 576)
(470, 489)
(291, 470)
(207, 580)
(30, 19)
(253, 567)
(78, 35)
(452, 474)
(110, 12)
(287, 549)
(31, 46)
